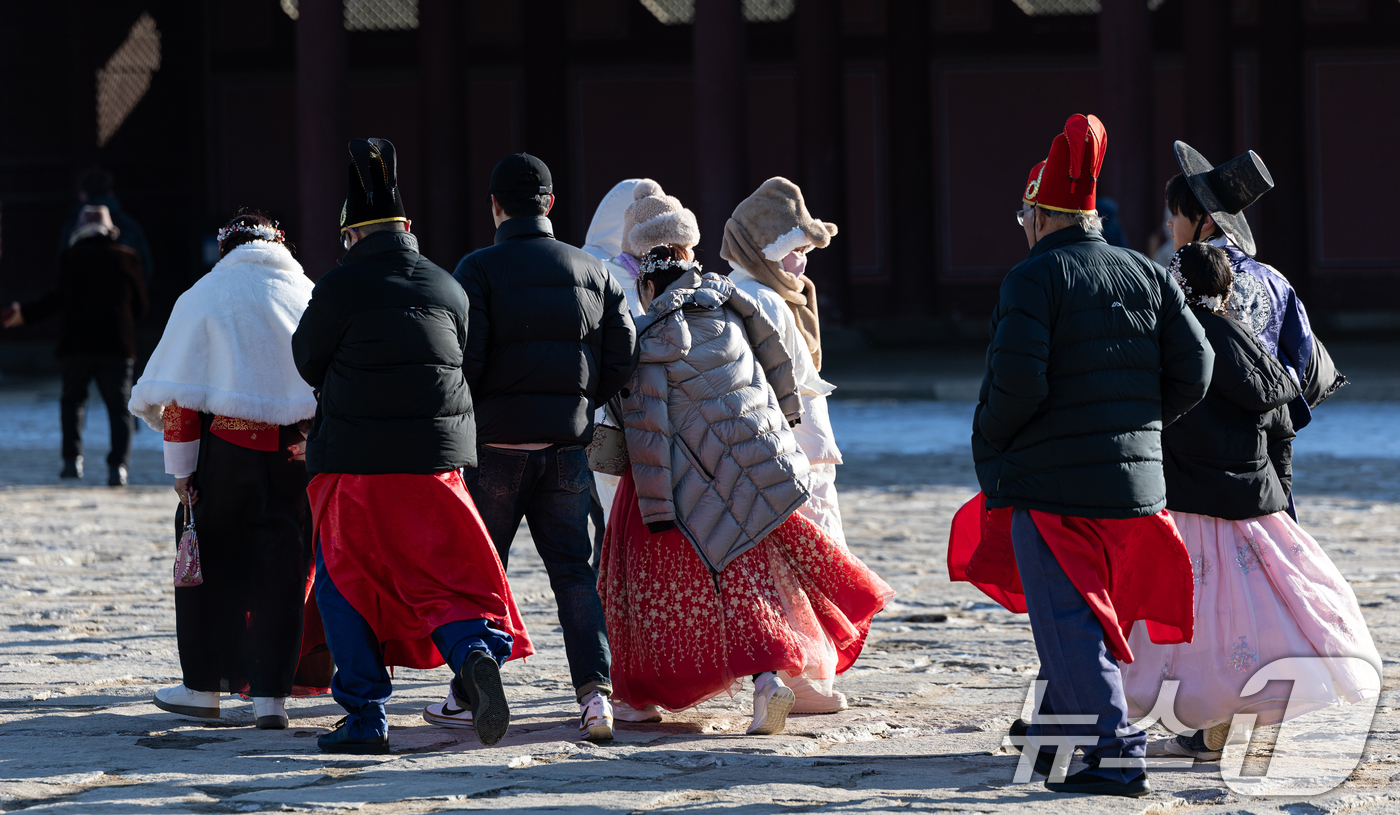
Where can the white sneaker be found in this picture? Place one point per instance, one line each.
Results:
(201, 704)
(771, 705)
(1193, 746)
(450, 712)
(811, 700)
(626, 713)
(595, 721)
(271, 712)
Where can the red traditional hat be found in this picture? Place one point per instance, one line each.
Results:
(1067, 180)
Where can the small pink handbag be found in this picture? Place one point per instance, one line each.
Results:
(187, 569)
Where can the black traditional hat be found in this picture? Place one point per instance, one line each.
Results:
(1226, 191)
(372, 196)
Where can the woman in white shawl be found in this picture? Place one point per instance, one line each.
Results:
(224, 390)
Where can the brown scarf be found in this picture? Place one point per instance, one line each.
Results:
(799, 292)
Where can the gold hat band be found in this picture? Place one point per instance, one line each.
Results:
(1057, 209)
(375, 221)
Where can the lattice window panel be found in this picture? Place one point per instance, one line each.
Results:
(126, 77)
(371, 15)
(1051, 8)
(682, 12)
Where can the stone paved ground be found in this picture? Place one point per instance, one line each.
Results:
(87, 635)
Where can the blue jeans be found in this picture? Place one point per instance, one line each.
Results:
(361, 684)
(1081, 675)
(551, 490)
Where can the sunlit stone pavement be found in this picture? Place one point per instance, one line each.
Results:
(87, 635)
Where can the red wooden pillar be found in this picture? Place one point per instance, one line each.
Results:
(1125, 105)
(1283, 239)
(821, 114)
(721, 99)
(322, 157)
(442, 226)
(1208, 78)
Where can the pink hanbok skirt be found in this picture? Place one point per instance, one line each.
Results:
(1265, 591)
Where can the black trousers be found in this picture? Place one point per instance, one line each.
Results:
(113, 375)
(242, 627)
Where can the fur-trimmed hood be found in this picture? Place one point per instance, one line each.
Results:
(227, 348)
(766, 227)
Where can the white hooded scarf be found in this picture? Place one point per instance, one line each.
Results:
(227, 348)
(604, 238)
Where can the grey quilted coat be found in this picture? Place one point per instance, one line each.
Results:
(708, 418)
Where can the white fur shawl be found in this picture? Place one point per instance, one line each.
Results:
(227, 349)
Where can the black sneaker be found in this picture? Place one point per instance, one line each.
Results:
(72, 468)
(116, 476)
(1044, 759)
(481, 679)
(339, 740)
(1084, 783)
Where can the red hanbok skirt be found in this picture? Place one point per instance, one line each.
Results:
(411, 553)
(797, 602)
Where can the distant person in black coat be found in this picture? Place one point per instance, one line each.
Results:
(549, 339)
(95, 189)
(101, 294)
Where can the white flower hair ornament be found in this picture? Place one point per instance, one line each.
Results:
(650, 266)
(1210, 302)
(259, 231)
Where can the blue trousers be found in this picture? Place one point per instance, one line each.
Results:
(1081, 676)
(361, 684)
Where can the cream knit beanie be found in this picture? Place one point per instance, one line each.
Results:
(654, 219)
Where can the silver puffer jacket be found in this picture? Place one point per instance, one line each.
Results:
(707, 418)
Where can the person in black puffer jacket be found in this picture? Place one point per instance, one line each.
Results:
(1264, 590)
(405, 570)
(1093, 351)
(1231, 456)
(550, 339)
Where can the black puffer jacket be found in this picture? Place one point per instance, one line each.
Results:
(1231, 456)
(381, 341)
(1093, 351)
(549, 338)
